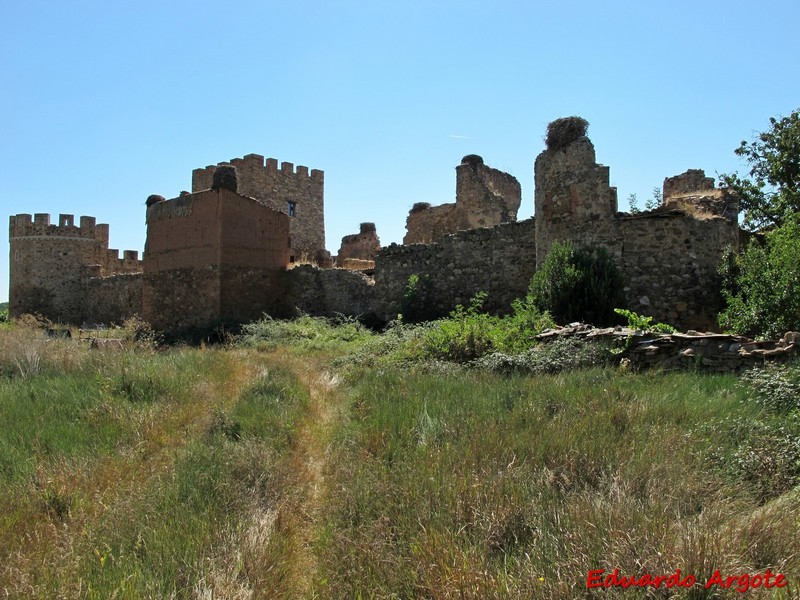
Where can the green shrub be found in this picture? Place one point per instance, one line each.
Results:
(578, 284)
(554, 357)
(637, 321)
(466, 335)
(761, 286)
(469, 333)
(775, 387)
(306, 332)
(415, 306)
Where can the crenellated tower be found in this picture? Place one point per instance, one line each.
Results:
(50, 264)
(296, 192)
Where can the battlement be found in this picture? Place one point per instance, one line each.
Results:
(23, 225)
(255, 163)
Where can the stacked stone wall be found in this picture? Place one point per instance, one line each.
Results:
(277, 188)
(111, 300)
(362, 245)
(671, 262)
(328, 293)
(484, 197)
(573, 199)
(426, 224)
(497, 260)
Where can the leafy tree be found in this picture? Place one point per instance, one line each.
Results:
(761, 286)
(772, 190)
(578, 284)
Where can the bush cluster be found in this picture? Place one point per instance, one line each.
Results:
(469, 333)
(761, 286)
(775, 387)
(578, 284)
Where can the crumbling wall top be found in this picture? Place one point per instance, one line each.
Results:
(693, 180)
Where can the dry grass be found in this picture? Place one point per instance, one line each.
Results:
(242, 473)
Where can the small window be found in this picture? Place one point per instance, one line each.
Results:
(291, 208)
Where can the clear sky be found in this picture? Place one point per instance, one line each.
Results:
(105, 102)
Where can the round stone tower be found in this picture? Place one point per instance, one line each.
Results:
(48, 264)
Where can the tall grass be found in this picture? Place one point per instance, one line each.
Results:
(115, 478)
(479, 486)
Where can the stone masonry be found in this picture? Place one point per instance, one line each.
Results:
(360, 246)
(51, 264)
(298, 193)
(484, 197)
(220, 255)
(498, 260)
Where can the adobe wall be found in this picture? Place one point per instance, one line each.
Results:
(113, 299)
(498, 260)
(276, 187)
(327, 292)
(211, 255)
(362, 245)
(48, 262)
(484, 197)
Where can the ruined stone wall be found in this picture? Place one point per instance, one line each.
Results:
(498, 260)
(484, 197)
(426, 223)
(362, 245)
(328, 292)
(670, 260)
(211, 255)
(48, 262)
(669, 256)
(693, 180)
(277, 188)
(573, 199)
(112, 300)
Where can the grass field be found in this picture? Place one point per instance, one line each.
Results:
(319, 461)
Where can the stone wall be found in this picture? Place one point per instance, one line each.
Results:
(716, 352)
(112, 300)
(212, 255)
(298, 193)
(362, 245)
(670, 260)
(573, 199)
(669, 256)
(484, 197)
(499, 260)
(693, 180)
(48, 264)
(327, 293)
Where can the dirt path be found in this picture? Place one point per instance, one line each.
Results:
(313, 441)
(293, 523)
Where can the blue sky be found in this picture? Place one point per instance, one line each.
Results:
(104, 103)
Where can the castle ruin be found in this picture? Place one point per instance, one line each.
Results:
(484, 197)
(227, 254)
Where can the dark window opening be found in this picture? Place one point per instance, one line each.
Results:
(291, 208)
